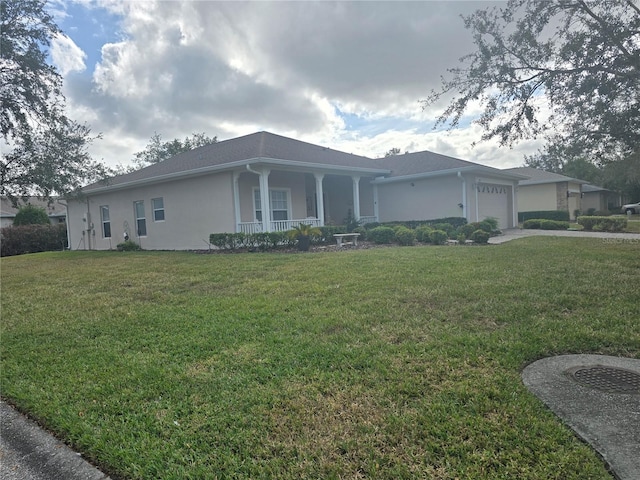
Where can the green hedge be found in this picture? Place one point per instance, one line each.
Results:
(544, 224)
(455, 222)
(559, 215)
(250, 241)
(603, 224)
(32, 239)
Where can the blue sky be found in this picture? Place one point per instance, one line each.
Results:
(348, 75)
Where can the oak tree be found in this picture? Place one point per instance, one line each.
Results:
(568, 70)
(44, 152)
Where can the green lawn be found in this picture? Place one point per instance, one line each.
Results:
(385, 363)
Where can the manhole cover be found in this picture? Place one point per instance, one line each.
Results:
(606, 379)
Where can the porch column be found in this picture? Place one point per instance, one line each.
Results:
(319, 197)
(265, 204)
(356, 197)
(236, 199)
(514, 202)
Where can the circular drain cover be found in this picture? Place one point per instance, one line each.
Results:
(606, 379)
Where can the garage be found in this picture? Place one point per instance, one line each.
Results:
(494, 201)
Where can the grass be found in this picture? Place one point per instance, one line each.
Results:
(382, 363)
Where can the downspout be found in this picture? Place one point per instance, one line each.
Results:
(66, 217)
(464, 195)
(477, 210)
(249, 169)
(88, 225)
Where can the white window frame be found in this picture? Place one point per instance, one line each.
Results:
(138, 219)
(156, 210)
(257, 198)
(105, 222)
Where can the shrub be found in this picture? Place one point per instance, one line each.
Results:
(362, 231)
(468, 229)
(31, 215)
(544, 224)
(455, 222)
(553, 225)
(603, 224)
(438, 237)
(445, 227)
(491, 222)
(405, 236)
(381, 235)
(480, 236)
(128, 246)
(560, 215)
(327, 232)
(32, 239)
(422, 233)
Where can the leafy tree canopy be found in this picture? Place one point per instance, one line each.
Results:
(44, 152)
(157, 151)
(565, 69)
(31, 215)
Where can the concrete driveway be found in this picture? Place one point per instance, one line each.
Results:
(514, 233)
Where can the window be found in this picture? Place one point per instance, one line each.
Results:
(279, 205)
(106, 221)
(279, 200)
(141, 221)
(157, 204)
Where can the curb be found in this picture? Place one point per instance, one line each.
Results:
(27, 452)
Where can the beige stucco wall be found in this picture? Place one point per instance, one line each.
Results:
(537, 197)
(421, 199)
(194, 208)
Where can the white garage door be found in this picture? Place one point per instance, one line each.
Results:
(493, 201)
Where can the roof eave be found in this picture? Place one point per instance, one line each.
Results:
(451, 171)
(231, 166)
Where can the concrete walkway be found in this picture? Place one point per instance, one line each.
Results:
(514, 233)
(599, 398)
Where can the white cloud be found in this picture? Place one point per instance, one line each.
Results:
(348, 75)
(66, 55)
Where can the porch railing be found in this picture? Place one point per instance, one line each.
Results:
(284, 225)
(277, 225)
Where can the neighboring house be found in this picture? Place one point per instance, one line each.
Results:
(548, 191)
(600, 199)
(57, 212)
(224, 187)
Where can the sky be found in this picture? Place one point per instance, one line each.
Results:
(345, 75)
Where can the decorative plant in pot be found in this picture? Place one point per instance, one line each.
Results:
(303, 233)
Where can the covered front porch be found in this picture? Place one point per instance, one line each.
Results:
(294, 197)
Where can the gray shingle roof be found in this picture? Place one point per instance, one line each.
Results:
(422, 162)
(268, 148)
(537, 176)
(260, 145)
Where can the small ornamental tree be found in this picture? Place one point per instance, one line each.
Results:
(31, 215)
